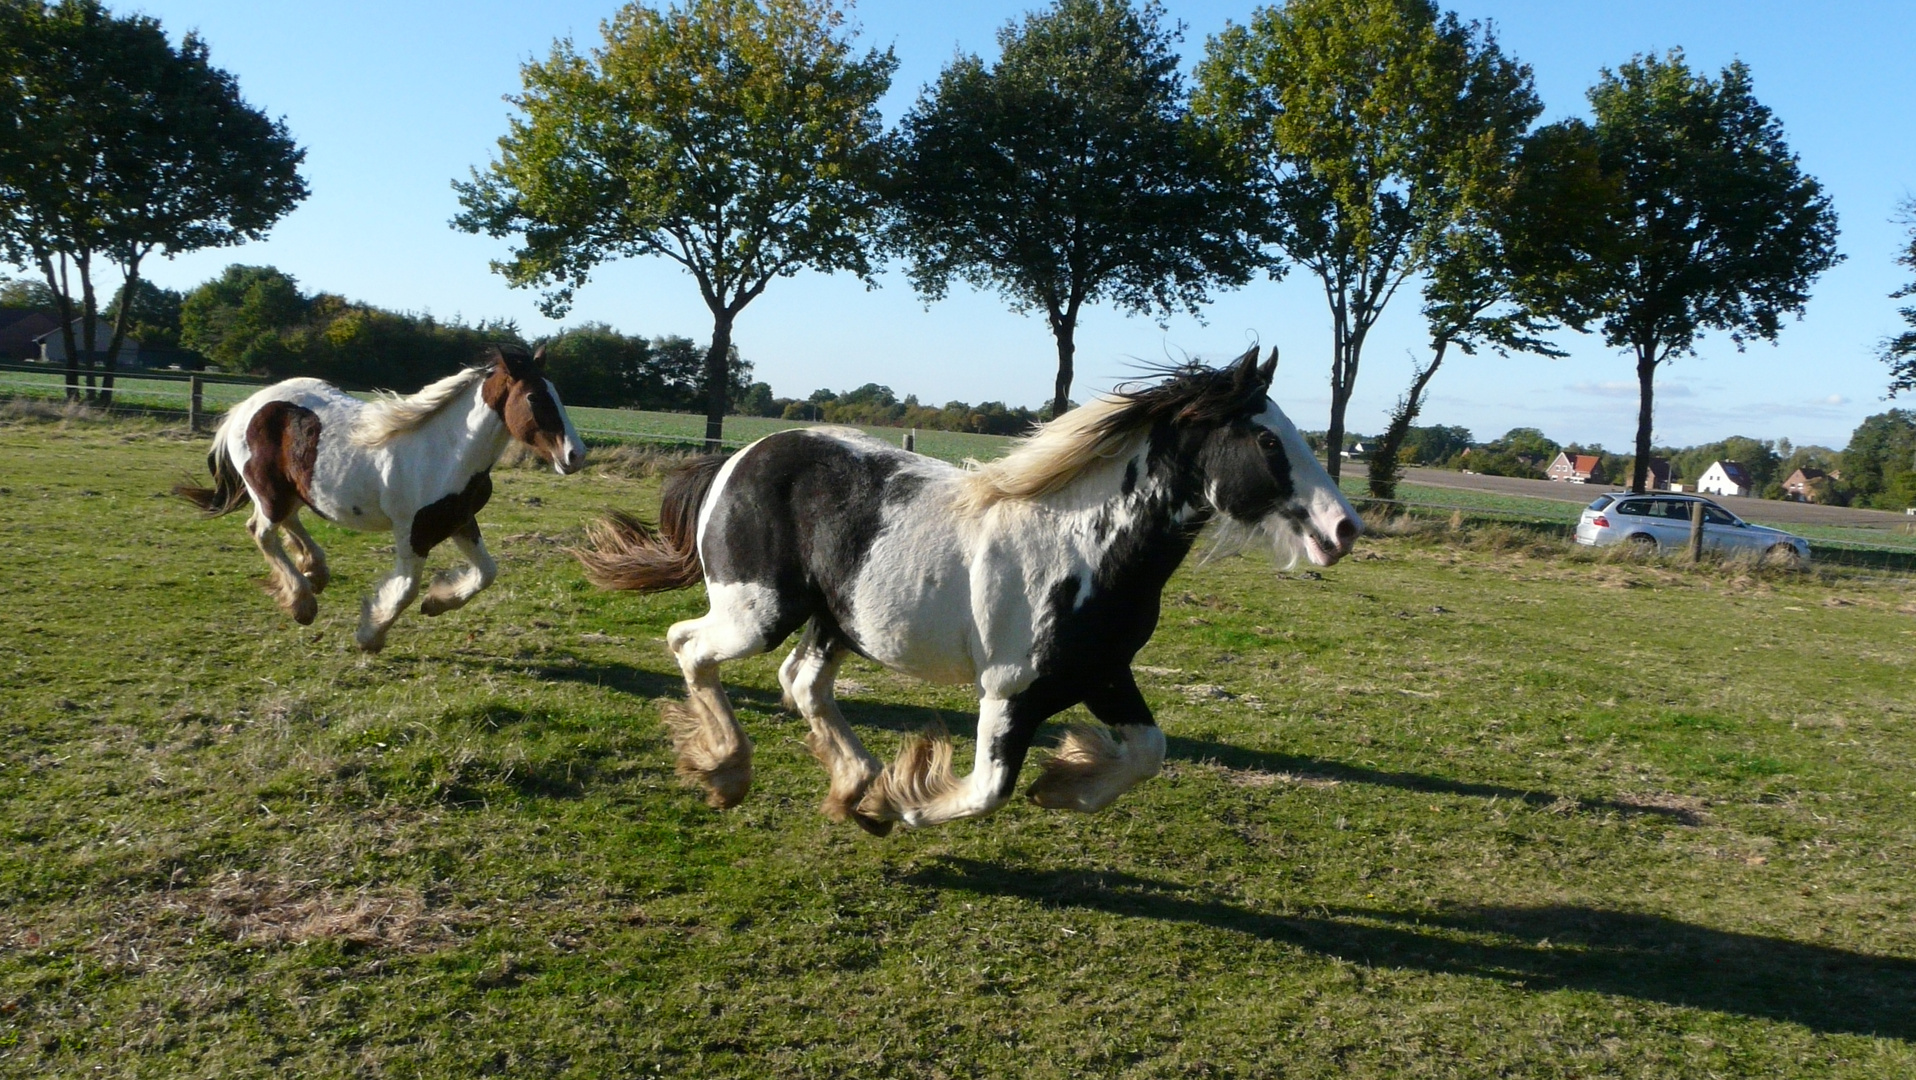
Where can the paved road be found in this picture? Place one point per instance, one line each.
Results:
(1764, 511)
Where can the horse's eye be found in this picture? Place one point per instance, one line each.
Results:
(1266, 441)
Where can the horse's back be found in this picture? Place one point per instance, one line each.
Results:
(814, 518)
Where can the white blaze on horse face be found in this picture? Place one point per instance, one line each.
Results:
(570, 456)
(1332, 523)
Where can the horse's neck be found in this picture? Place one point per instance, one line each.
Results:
(471, 433)
(1152, 526)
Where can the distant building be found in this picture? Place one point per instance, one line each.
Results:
(1658, 477)
(1576, 469)
(1808, 485)
(50, 347)
(19, 327)
(1725, 478)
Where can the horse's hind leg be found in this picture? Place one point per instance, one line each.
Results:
(807, 677)
(307, 554)
(289, 587)
(451, 589)
(713, 750)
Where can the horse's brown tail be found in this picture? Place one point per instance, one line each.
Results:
(228, 492)
(623, 552)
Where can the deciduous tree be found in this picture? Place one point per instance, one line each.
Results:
(1363, 123)
(739, 138)
(115, 145)
(1703, 220)
(1066, 173)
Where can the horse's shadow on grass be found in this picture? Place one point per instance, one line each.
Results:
(1199, 751)
(1558, 947)
(904, 719)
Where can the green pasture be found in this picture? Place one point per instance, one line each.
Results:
(1470, 803)
(597, 425)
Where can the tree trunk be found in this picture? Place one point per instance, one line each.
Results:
(112, 359)
(89, 309)
(1344, 346)
(1061, 390)
(65, 303)
(717, 365)
(1384, 473)
(1646, 377)
(1064, 329)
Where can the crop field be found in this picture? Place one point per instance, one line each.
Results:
(1470, 803)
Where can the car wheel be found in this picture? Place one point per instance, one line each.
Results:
(1643, 545)
(1783, 555)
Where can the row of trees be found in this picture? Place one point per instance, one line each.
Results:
(255, 320)
(879, 405)
(1876, 469)
(1374, 143)
(116, 146)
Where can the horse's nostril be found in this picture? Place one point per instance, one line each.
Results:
(1346, 533)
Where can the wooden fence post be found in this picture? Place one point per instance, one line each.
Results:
(193, 410)
(1696, 531)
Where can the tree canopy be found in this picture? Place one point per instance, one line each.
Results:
(1899, 351)
(1879, 465)
(1067, 173)
(1680, 210)
(1363, 125)
(115, 145)
(738, 138)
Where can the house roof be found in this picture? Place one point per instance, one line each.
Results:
(1736, 473)
(1807, 475)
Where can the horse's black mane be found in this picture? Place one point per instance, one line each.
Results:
(1189, 393)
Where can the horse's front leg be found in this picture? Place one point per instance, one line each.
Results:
(919, 787)
(1096, 764)
(451, 589)
(392, 594)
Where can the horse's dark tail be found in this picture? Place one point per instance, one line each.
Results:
(228, 492)
(623, 552)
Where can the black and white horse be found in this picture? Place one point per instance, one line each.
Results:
(1035, 577)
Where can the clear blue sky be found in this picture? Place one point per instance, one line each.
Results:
(394, 100)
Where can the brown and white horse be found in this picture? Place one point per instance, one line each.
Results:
(1035, 578)
(419, 466)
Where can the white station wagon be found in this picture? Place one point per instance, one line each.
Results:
(1661, 522)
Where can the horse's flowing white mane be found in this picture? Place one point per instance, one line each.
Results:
(391, 415)
(1053, 456)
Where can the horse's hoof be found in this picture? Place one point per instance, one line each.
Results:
(873, 825)
(370, 643)
(304, 610)
(317, 579)
(727, 787)
(430, 607)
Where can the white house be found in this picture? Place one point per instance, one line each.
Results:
(1724, 478)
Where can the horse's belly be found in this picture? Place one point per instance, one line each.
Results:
(913, 615)
(347, 492)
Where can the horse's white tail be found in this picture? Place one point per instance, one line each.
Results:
(228, 492)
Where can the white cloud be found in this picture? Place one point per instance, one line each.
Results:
(1834, 399)
(1627, 389)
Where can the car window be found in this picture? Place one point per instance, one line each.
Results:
(1673, 509)
(1634, 507)
(1717, 516)
(1603, 501)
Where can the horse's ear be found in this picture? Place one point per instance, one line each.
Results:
(539, 360)
(1244, 370)
(1268, 371)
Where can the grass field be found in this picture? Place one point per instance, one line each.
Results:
(1467, 804)
(599, 425)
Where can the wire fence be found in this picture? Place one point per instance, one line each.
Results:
(168, 397)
